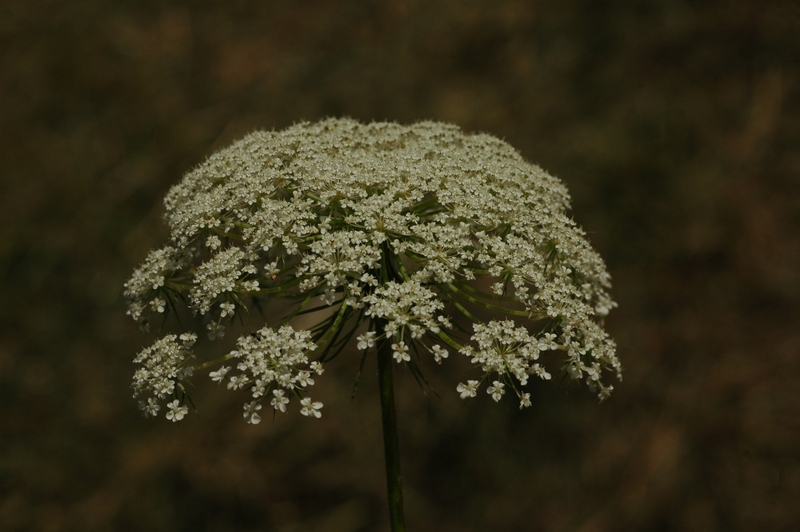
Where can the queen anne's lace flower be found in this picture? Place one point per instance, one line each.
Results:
(406, 226)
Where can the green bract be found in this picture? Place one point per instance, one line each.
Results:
(411, 228)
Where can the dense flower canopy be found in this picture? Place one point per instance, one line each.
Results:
(408, 228)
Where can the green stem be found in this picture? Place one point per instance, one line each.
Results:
(394, 481)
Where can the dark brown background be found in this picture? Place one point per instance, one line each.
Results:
(675, 125)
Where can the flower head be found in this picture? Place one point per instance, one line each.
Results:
(411, 227)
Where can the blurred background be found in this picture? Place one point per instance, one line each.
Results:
(675, 125)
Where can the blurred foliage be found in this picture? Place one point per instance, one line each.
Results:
(675, 125)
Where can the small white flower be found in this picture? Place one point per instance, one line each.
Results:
(401, 352)
(369, 279)
(329, 296)
(524, 400)
(540, 372)
(439, 353)
(309, 408)
(272, 270)
(467, 390)
(152, 407)
(219, 375)
(226, 309)
(366, 340)
(188, 339)
(176, 412)
(496, 390)
(250, 412)
(304, 379)
(250, 286)
(237, 382)
(280, 400)
(158, 305)
(215, 330)
(213, 242)
(547, 342)
(605, 391)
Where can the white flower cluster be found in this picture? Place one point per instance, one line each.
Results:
(162, 366)
(150, 277)
(272, 361)
(220, 275)
(397, 224)
(407, 305)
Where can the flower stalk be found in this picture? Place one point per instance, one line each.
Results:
(394, 479)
